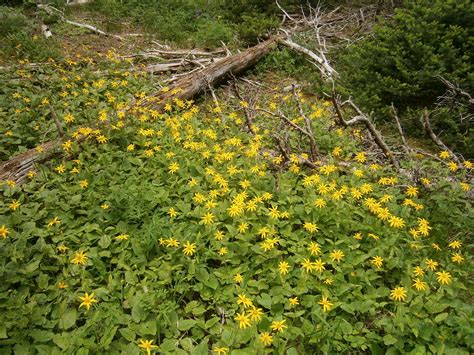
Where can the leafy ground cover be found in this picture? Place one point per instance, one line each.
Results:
(177, 231)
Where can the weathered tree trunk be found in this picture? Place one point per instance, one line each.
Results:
(191, 85)
(17, 168)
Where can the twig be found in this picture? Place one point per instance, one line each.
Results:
(56, 121)
(361, 117)
(313, 146)
(52, 10)
(319, 61)
(248, 118)
(406, 147)
(312, 141)
(434, 137)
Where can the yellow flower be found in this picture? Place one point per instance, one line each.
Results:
(102, 139)
(420, 285)
(207, 219)
(244, 301)
(130, 147)
(189, 248)
(62, 285)
(294, 301)
(314, 248)
(398, 294)
(104, 206)
(122, 237)
(220, 351)
(60, 169)
(327, 305)
(328, 281)
(396, 222)
(147, 345)
(87, 300)
(222, 251)
(337, 151)
(238, 278)
(443, 277)
(273, 212)
(360, 157)
(255, 314)
(243, 320)
(14, 205)
(266, 338)
(336, 255)
(465, 186)
(358, 236)
(84, 184)
(431, 264)
(278, 326)
(54, 222)
(455, 244)
(320, 203)
(80, 258)
(412, 191)
(307, 265)
(318, 265)
(457, 258)
(173, 167)
(243, 227)
(172, 212)
(4, 231)
(453, 166)
(310, 227)
(418, 271)
(219, 235)
(283, 267)
(377, 261)
(62, 248)
(444, 154)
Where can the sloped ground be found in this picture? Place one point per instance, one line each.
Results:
(179, 229)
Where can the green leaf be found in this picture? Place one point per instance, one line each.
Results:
(441, 317)
(3, 332)
(211, 322)
(168, 345)
(186, 324)
(41, 336)
(202, 348)
(108, 336)
(68, 319)
(128, 334)
(62, 340)
(389, 339)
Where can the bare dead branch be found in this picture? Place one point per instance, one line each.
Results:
(427, 126)
(312, 141)
(362, 118)
(52, 10)
(56, 121)
(406, 147)
(320, 60)
(248, 117)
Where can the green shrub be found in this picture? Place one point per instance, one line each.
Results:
(24, 45)
(12, 21)
(402, 61)
(256, 26)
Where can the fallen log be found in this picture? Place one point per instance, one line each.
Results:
(17, 168)
(191, 85)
